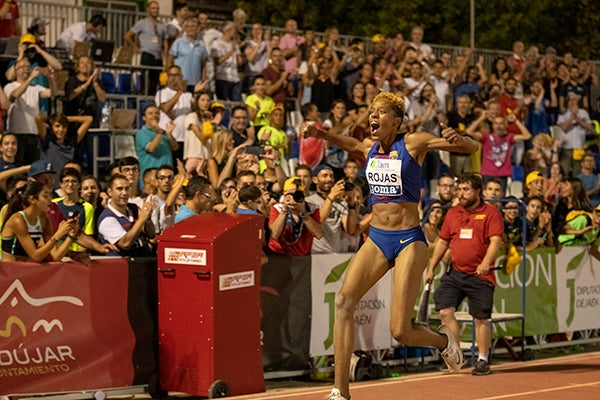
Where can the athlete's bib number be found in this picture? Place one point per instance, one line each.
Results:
(384, 177)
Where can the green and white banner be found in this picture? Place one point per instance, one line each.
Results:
(372, 315)
(562, 293)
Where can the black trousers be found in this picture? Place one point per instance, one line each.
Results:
(153, 75)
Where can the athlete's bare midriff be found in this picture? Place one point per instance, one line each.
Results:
(395, 216)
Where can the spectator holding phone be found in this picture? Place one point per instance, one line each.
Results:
(25, 99)
(26, 234)
(337, 210)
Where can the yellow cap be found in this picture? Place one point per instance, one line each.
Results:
(293, 183)
(216, 105)
(532, 176)
(378, 38)
(27, 38)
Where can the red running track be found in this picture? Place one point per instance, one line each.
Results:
(573, 377)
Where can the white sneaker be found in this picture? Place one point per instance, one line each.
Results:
(452, 354)
(335, 395)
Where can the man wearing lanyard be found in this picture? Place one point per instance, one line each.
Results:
(474, 231)
(154, 46)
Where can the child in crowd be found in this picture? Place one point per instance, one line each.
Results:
(59, 139)
(273, 134)
(198, 133)
(259, 103)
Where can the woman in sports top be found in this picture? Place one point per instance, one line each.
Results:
(394, 161)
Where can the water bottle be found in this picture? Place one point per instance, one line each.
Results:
(105, 116)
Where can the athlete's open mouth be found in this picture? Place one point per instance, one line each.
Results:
(374, 126)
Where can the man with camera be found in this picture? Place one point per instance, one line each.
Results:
(36, 56)
(337, 210)
(292, 223)
(25, 97)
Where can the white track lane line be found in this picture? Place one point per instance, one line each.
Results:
(535, 392)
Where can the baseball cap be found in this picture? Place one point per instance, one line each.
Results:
(40, 167)
(293, 183)
(38, 21)
(378, 38)
(532, 176)
(217, 105)
(321, 167)
(27, 38)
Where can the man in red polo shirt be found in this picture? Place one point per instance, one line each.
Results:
(473, 230)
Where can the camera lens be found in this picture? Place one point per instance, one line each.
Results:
(348, 186)
(298, 196)
(30, 52)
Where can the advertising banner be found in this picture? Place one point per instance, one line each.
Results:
(562, 292)
(578, 290)
(64, 327)
(372, 314)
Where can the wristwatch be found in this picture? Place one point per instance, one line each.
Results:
(277, 163)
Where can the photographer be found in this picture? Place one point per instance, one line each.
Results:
(293, 226)
(37, 57)
(337, 210)
(24, 97)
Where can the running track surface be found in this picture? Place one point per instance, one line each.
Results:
(573, 377)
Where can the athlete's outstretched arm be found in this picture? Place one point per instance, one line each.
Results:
(348, 143)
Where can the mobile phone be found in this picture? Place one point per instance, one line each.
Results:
(258, 150)
(75, 214)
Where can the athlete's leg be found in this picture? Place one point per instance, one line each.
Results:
(408, 272)
(365, 269)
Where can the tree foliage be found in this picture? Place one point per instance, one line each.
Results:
(569, 26)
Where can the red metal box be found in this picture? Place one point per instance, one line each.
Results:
(209, 305)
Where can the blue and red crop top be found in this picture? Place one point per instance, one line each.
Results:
(393, 177)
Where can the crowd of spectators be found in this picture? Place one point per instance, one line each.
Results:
(222, 121)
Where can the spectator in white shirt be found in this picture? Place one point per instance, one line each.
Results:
(226, 55)
(175, 26)
(81, 32)
(24, 108)
(174, 102)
